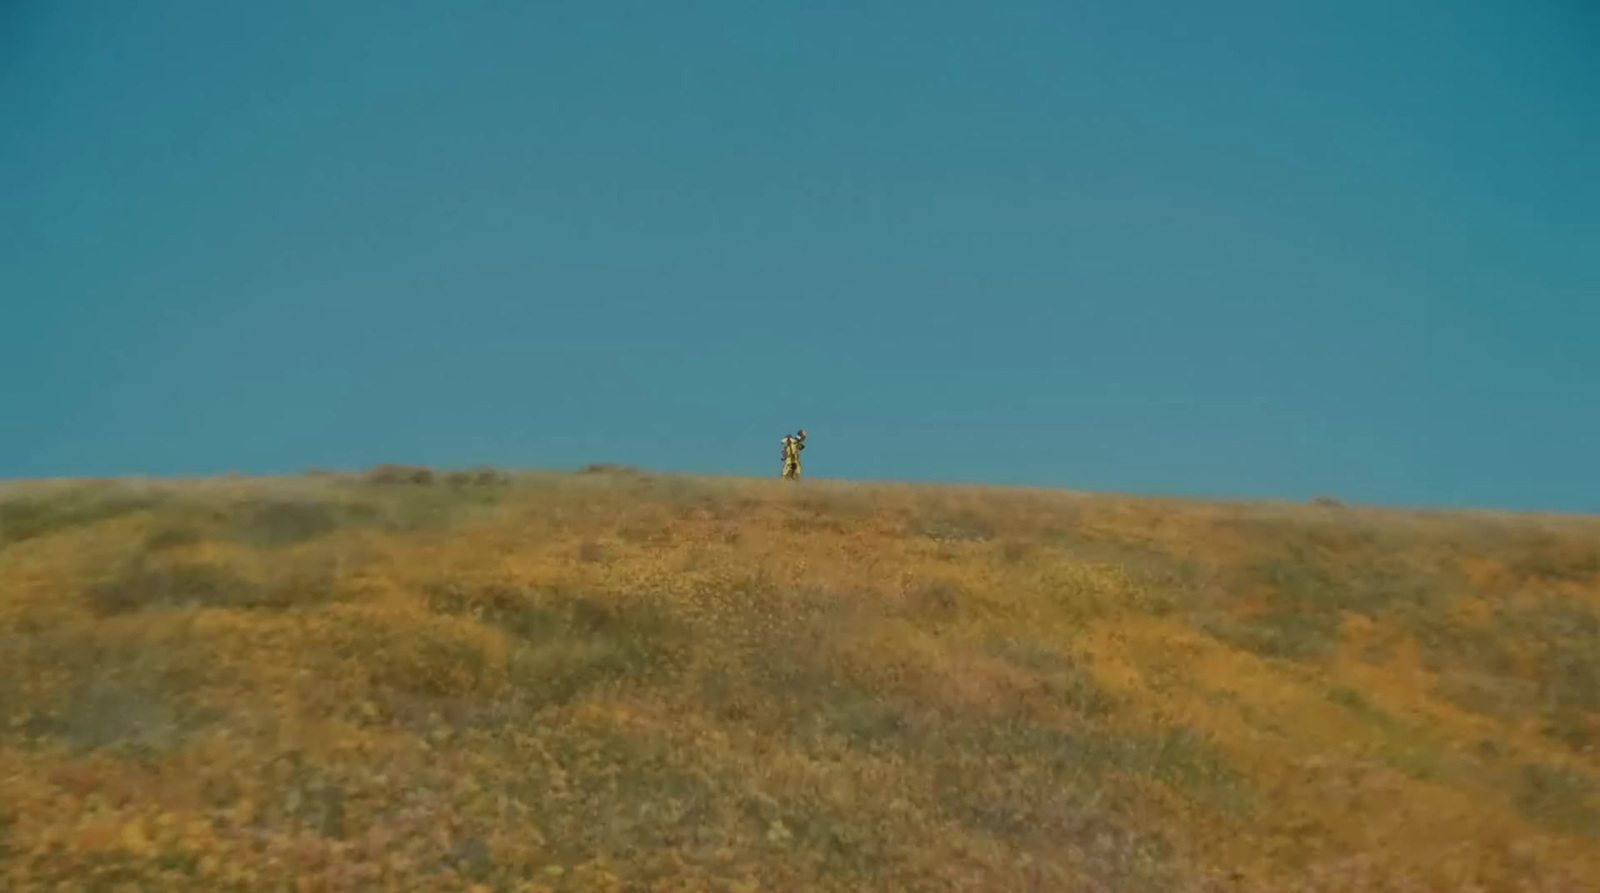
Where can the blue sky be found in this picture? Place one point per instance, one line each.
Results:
(1249, 249)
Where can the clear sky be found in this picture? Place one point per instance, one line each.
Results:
(1253, 249)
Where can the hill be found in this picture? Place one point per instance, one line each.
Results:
(624, 682)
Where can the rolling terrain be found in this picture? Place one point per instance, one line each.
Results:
(618, 681)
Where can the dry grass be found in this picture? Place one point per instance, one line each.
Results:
(618, 681)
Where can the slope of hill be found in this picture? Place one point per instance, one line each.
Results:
(624, 682)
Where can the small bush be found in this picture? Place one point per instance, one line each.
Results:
(955, 527)
(1281, 633)
(1550, 558)
(540, 615)
(1560, 798)
(427, 661)
(140, 586)
(1501, 697)
(566, 643)
(279, 522)
(128, 687)
(173, 534)
(652, 529)
(1064, 679)
(392, 475)
(1014, 551)
(937, 601)
(556, 672)
(1564, 637)
(1311, 575)
(477, 477)
(865, 721)
(146, 583)
(518, 609)
(1357, 703)
(1327, 502)
(35, 515)
(113, 712)
(609, 468)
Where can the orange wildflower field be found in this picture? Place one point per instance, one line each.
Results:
(620, 681)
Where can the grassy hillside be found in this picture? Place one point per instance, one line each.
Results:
(622, 682)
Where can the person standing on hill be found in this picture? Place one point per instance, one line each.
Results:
(792, 445)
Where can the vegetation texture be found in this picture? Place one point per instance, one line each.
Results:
(613, 681)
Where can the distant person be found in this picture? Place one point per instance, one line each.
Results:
(791, 462)
(792, 445)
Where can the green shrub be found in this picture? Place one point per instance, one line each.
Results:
(147, 583)
(567, 642)
(1560, 798)
(33, 515)
(391, 475)
(282, 522)
(173, 534)
(1065, 680)
(965, 526)
(482, 476)
(937, 602)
